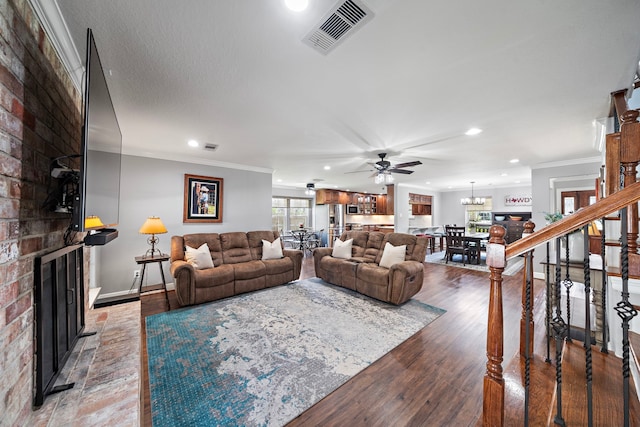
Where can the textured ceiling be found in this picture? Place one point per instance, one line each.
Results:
(533, 75)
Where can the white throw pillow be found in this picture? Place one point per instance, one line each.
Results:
(342, 249)
(200, 258)
(272, 250)
(392, 255)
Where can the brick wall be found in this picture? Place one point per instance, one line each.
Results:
(40, 119)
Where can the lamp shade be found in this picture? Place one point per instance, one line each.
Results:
(92, 222)
(153, 225)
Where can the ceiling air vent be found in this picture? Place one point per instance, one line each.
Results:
(210, 147)
(341, 21)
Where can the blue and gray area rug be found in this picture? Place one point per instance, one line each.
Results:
(261, 359)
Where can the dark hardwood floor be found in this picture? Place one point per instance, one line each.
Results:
(435, 378)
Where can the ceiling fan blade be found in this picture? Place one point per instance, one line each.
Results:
(408, 164)
(374, 174)
(360, 171)
(404, 171)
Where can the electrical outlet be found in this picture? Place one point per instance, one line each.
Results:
(136, 274)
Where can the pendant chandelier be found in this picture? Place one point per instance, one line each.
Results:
(472, 201)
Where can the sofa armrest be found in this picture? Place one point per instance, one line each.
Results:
(405, 280)
(184, 281)
(296, 256)
(318, 254)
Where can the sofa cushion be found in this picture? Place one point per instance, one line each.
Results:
(235, 247)
(217, 276)
(392, 255)
(200, 258)
(255, 239)
(249, 270)
(374, 245)
(211, 239)
(278, 266)
(399, 239)
(360, 239)
(271, 250)
(342, 249)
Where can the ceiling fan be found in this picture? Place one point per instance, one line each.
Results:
(383, 166)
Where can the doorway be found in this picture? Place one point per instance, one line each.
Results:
(571, 201)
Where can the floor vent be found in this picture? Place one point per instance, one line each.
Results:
(340, 22)
(210, 147)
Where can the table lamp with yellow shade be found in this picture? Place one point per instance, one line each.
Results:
(93, 222)
(153, 225)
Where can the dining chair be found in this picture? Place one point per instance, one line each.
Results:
(313, 240)
(456, 244)
(288, 240)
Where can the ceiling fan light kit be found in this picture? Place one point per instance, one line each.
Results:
(472, 201)
(311, 189)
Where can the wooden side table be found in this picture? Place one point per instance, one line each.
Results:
(144, 260)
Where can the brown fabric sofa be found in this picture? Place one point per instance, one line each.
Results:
(238, 266)
(362, 273)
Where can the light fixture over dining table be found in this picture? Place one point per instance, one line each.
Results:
(469, 201)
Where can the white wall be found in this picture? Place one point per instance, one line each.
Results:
(547, 183)
(151, 187)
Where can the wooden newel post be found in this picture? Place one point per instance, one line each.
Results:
(493, 389)
(527, 306)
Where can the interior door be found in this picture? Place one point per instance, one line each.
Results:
(574, 200)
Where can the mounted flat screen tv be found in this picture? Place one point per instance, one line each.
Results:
(99, 183)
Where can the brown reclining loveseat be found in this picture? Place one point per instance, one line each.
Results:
(362, 272)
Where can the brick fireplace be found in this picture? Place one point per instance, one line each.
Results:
(40, 119)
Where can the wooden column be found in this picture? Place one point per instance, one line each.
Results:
(527, 277)
(629, 159)
(493, 388)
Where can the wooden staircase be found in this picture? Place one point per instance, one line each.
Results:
(595, 386)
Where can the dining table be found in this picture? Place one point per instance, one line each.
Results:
(477, 239)
(301, 235)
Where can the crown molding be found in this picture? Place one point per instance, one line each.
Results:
(55, 27)
(176, 157)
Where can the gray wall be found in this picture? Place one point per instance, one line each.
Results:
(152, 187)
(452, 212)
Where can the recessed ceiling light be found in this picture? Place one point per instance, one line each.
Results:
(297, 5)
(473, 131)
(503, 174)
(327, 167)
(514, 161)
(428, 182)
(193, 143)
(517, 182)
(279, 180)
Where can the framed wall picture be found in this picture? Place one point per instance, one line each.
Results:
(202, 199)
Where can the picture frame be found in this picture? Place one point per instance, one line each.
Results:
(202, 199)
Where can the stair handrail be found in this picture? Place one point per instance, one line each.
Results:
(583, 216)
(493, 387)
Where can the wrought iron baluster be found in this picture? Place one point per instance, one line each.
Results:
(548, 308)
(559, 329)
(587, 327)
(605, 315)
(568, 284)
(626, 312)
(528, 314)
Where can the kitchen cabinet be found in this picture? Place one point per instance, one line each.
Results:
(420, 204)
(325, 196)
(368, 204)
(381, 208)
(513, 222)
(420, 209)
